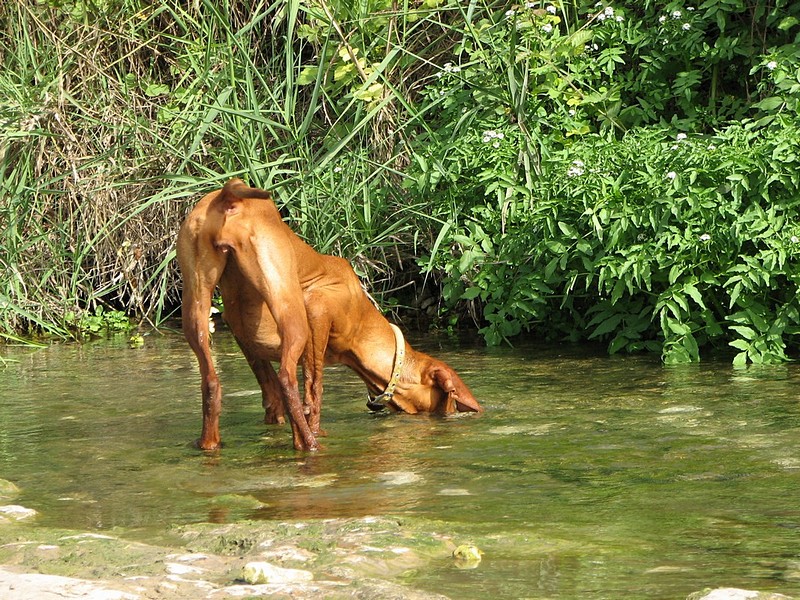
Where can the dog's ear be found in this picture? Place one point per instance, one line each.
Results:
(229, 200)
(458, 395)
(234, 191)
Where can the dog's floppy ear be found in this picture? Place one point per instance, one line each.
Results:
(457, 392)
(234, 191)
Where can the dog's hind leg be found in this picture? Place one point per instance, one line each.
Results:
(201, 271)
(271, 394)
(313, 371)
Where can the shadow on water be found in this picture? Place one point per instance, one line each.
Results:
(587, 476)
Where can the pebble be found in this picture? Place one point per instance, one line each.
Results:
(256, 573)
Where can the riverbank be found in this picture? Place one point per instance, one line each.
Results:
(339, 558)
(366, 558)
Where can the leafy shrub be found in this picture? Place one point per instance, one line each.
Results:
(647, 242)
(581, 222)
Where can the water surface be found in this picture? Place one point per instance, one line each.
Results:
(587, 477)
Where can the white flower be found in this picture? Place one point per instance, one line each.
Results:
(680, 136)
(662, 18)
(448, 68)
(672, 175)
(676, 14)
(619, 18)
(609, 12)
(772, 65)
(712, 147)
(551, 9)
(686, 27)
(547, 28)
(496, 145)
(705, 237)
(510, 13)
(576, 169)
(572, 112)
(337, 169)
(530, 5)
(491, 134)
(794, 239)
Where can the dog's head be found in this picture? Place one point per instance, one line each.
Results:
(440, 390)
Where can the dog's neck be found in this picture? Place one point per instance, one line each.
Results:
(380, 401)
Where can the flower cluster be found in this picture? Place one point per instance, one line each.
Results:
(576, 169)
(550, 8)
(678, 138)
(608, 13)
(677, 15)
(492, 137)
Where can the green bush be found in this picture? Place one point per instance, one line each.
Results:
(652, 241)
(599, 189)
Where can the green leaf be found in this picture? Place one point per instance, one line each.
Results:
(740, 360)
(308, 75)
(156, 89)
(739, 344)
(606, 326)
(771, 103)
(695, 294)
(679, 328)
(747, 333)
(471, 293)
(617, 344)
(568, 230)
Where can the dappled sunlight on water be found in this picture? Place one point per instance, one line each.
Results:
(587, 476)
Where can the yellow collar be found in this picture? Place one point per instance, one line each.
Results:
(381, 400)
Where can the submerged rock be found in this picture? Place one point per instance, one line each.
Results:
(736, 594)
(467, 556)
(14, 512)
(8, 489)
(399, 477)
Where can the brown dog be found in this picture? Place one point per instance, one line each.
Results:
(286, 302)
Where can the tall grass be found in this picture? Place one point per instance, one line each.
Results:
(116, 116)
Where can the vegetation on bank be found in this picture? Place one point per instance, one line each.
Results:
(616, 171)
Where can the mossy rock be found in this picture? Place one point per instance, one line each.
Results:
(8, 489)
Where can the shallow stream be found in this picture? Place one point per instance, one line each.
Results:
(587, 477)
